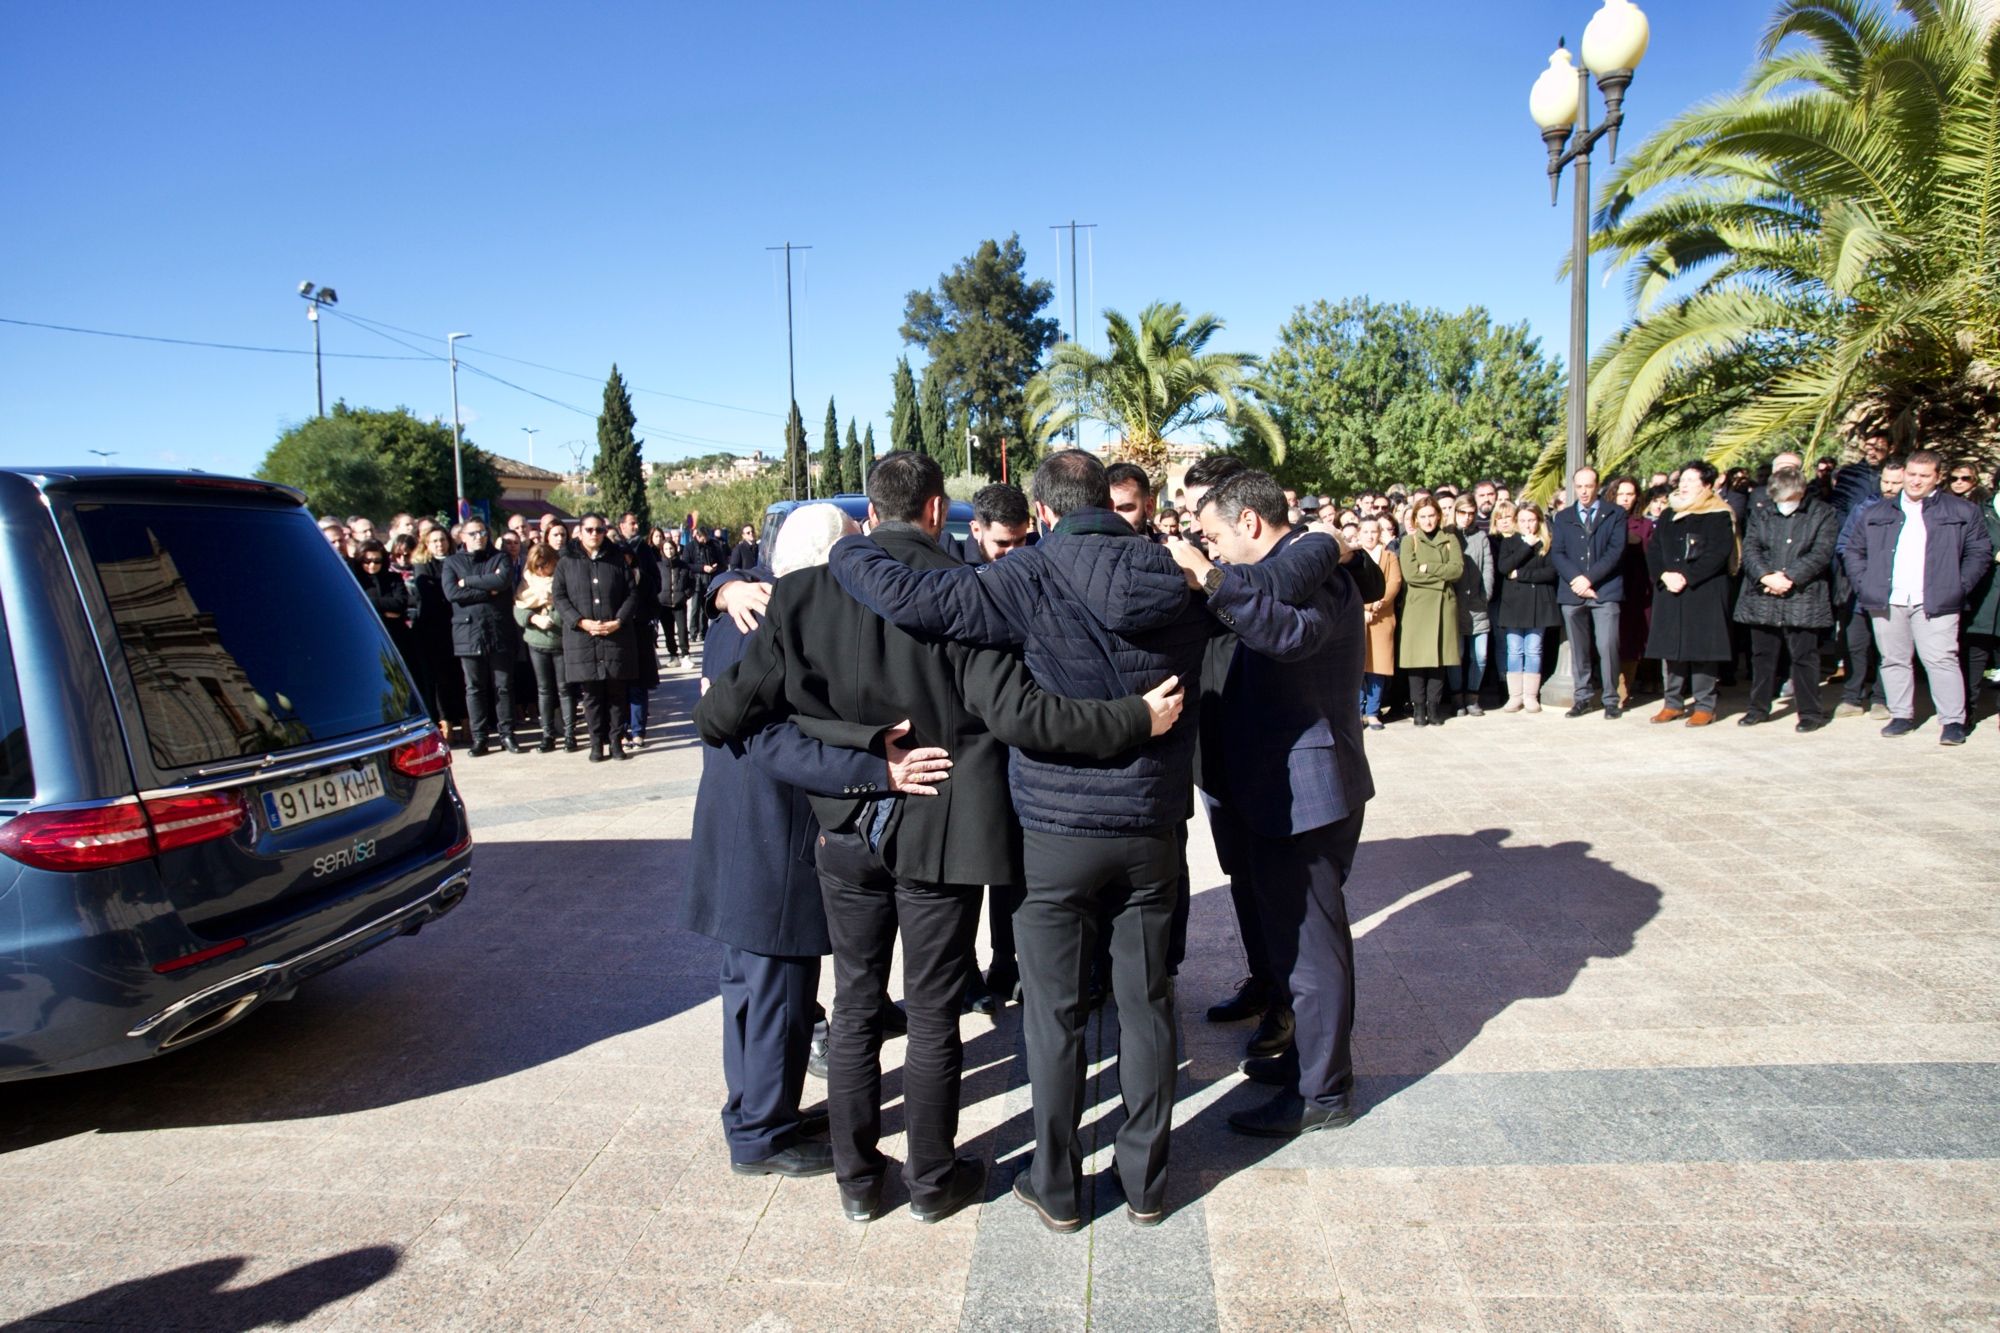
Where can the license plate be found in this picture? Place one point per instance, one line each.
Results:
(302, 802)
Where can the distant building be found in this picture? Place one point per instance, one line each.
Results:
(525, 488)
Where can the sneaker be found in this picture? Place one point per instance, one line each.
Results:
(1901, 726)
(1953, 734)
(1846, 709)
(1880, 713)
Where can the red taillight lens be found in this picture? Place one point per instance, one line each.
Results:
(422, 757)
(107, 835)
(181, 821)
(116, 835)
(200, 956)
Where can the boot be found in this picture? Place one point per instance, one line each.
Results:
(1472, 708)
(1516, 686)
(1531, 691)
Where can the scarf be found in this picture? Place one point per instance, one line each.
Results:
(535, 592)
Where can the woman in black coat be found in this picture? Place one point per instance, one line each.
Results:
(676, 599)
(1524, 599)
(1787, 597)
(439, 680)
(644, 569)
(389, 595)
(596, 600)
(1691, 555)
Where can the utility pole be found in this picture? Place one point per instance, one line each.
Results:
(531, 432)
(792, 382)
(1075, 328)
(315, 298)
(457, 457)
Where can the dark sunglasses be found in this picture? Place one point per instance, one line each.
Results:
(1964, 476)
(590, 527)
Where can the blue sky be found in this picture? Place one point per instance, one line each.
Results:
(581, 184)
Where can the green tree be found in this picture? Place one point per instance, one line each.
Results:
(364, 461)
(796, 454)
(855, 471)
(621, 480)
(905, 425)
(1818, 250)
(832, 465)
(1367, 393)
(982, 327)
(867, 454)
(934, 417)
(1158, 379)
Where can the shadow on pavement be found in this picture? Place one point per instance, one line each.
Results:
(195, 1296)
(559, 945)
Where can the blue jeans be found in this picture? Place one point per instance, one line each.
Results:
(1524, 651)
(1372, 686)
(1470, 674)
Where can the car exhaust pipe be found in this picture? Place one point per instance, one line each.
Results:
(211, 1022)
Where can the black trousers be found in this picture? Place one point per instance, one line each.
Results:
(675, 623)
(1976, 653)
(768, 1008)
(557, 705)
(1863, 685)
(603, 708)
(1299, 883)
(866, 905)
(1002, 901)
(1232, 844)
(1427, 692)
(1766, 643)
(1070, 879)
(489, 692)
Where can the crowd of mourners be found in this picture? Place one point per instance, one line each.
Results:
(558, 625)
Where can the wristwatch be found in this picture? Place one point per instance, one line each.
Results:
(1211, 582)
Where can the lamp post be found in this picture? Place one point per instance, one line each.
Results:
(1613, 44)
(457, 457)
(531, 432)
(315, 298)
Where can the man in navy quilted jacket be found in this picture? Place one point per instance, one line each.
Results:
(1099, 612)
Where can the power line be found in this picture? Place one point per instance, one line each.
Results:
(196, 342)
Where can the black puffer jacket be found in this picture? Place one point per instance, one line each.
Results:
(1525, 588)
(676, 580)
(1799, 545)
(480, 589)
(1099, 612)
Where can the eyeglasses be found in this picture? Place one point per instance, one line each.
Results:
(371, 560)
(1965, 477)
(590, 527)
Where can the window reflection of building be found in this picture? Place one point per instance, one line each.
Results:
(198, 702)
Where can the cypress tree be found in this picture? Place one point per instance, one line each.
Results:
(855, 470)
(621, 480)
(934, 416)
(831, 464)
(795, 454)
(905, 425)
(867, 452)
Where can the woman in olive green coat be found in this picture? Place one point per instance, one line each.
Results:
(1432, 561)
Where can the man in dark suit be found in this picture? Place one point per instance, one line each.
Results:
(1291, 783)
(1099, 613)
(1587, 548)
(751, 886)
(820, 656)
(744, 554)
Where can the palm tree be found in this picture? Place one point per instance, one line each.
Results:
(1157, 380)
(1817, 251)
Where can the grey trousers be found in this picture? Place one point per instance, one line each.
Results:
(1905, 631)
(1681, 679)
(1593, 650)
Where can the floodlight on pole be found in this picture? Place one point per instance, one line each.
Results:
(457, 451)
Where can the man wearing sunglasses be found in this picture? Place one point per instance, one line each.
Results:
(479, 584)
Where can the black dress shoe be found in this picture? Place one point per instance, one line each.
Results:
(596, 753)
(801, 1159)
(1809, 724)
(618, 750)
(1752, 719)
(547, 746)
(569, 743)
(509, 744)
(977, 998)
(1273, 1071)
(1250, 1001)
(1005, 984)
(862, 1205)
(965, 1183)
(816, 1059)
(1579, 709)
(1273, 1035)
(478, 750)
(1025, 1192)
(1287, 1117)
(1612, 712)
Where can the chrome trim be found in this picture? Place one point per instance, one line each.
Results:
(288, 762)
(460, 880)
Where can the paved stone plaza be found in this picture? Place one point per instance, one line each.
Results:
(1659, 1028)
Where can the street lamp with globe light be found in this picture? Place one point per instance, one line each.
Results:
(1613, 44)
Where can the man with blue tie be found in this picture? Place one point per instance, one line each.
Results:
(1587, 545)
(1294, 784)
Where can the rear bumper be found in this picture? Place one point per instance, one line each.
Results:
(137, 1014)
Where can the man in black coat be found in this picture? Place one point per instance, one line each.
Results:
(479, 584)
(744, 554)
(821, 656)
(596, 599)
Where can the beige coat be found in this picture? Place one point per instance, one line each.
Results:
(1380, 618)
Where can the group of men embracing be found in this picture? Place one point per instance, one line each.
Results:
(918, 728)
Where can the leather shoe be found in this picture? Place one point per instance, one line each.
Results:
(967, 1180)
(1668, 713)
(569, 744)
(1274, 1071)
(978, 999)
(1581, 707)
(1250, 1000)
(547, 745)
(1700, 717)
(1809, 724)
(1287, 1117)
(618, 750)
(1273, 1035)
(511, 745)
(1753, 719)
(1025, 1192)
(478, 750)
(816, 1058)
(1612, 712)
(804, 1158)
(1005, 984)
(862, 1205)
